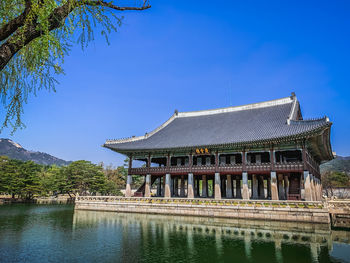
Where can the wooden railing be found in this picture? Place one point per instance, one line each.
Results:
(289, 166)
(223, 168)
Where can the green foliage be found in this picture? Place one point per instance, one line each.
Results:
(27, 179)
(335, 179)
(41, 35)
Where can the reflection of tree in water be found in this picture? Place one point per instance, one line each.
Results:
(172, 238)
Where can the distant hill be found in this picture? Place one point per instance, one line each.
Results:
(339, 164)
(15, 151)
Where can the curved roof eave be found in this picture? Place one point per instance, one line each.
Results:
(304, 135)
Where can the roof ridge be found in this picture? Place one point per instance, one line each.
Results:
(313, 119)
(250, 106)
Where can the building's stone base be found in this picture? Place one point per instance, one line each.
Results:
(264, 210)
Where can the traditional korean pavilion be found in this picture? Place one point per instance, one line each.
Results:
(264, 150)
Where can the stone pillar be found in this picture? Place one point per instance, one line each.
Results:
(245, 192)
(319, 190)
(148, 185)
(167, 192)
(307, 186)
(159, 186)
(128, 186)
(286, 186)
(228, 186)
(281, 194)
(273, 187)
(163, 188)
(217, 191)
(204, 186)
(171, 186)
(261, 187)
(198, 187)
(254, 187)
(190, 190)
(269, 187)
(182, 186)
(312, 182)
(317, 198)
(223, 187)
(238, 188)
(176, 186)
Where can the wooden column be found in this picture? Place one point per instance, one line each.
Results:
(149, 161)
(272, 159)
(244, 161)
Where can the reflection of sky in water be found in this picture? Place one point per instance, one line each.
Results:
(341, 251)
(57, 233)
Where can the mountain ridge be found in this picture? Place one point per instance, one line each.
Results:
(15, 151)
(338, 164)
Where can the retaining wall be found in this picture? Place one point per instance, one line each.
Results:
(297, 211)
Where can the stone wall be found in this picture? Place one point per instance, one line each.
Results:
(297, 211)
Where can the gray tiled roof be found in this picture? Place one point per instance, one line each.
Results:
(226, 127)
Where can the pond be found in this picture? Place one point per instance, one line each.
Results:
(57, 233)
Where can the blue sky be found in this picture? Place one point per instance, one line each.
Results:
(195, 55)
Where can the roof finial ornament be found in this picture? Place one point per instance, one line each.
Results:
(176, 112)
(293, 95)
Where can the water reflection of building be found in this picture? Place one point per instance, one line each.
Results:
(161, 231)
